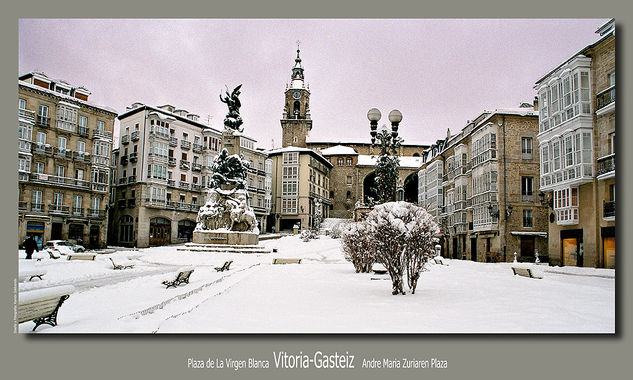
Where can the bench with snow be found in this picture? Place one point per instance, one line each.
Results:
(30, 274)
(525, 272)
(42, 305)
(121, 266)
(280, 260)
(224, 267)
(440, 261)
(182, 278)
(81, 256)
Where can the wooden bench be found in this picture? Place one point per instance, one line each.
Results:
(440, 261)
(280, 260)
(42, 305)
(224, 267)
(525, 272)
(81, 256)
(119, 266)
(23, 275)
(182, 278)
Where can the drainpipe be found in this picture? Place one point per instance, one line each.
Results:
(505, 193)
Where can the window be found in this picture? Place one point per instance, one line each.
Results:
(291, 158)
(41, 138)
(37, 199)
(77, 203)
(566, 205)
(611, 143)
(39, 167)
(24, 164)
(22, 104)
(526, 146)
(42, 111)
(66, 116)
(527, 218)
(100, 126)
(81, 146)
(61, 143)
(58, 200)
(61, 171)
(349, 161)
(83, 124)
(348, 180)
(79, 174)
(348, 195)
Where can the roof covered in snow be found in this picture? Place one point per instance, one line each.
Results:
(406, 162)
(69, 98)
(339, 150)
(142, 107)
(311, 152)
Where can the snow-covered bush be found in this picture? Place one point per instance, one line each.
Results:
(358, 246)
(337, 230)
(307, 235)
(402, 235)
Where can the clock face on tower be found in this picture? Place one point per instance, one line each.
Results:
(296, 94)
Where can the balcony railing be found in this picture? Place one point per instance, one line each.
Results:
(121, 203)
(197, 148)
(58, 209)
(83, 131)
(131, 203)
(608, 209)
(78, 211)
(605, 165)
(196, 187)
(100, 187)
(605, 98)
(183, 185)
(23, 176)
(134, 136)
(185, 144)
(133, 157)
(184, 164)
(42, 149)
(131, 179)
(172, 161)
(60, 181)
(81, 156)
(196, 166)
(123, 160)
(122, 181)
(173, 141)
(171, 182)
(39, 207)
(43, 121)
(125, 139)
(96, 133)
(63, 153)
(527, 198)
(22, 205)
(99, 214)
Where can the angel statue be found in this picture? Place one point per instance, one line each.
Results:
(233, 120)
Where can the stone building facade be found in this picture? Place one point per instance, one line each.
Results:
(481, 185)
(64, 148)
(577, 148)
(350, 166)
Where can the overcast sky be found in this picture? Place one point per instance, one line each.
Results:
(438, 73)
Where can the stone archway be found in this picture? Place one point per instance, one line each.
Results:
(368, 188)
(411, 188)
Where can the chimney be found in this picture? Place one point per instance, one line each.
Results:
(536, 103)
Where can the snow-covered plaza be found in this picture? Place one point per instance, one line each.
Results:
(323, 294)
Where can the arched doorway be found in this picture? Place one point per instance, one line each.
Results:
(411, 188)
(185, 229)
(159, 231)
(369, 190)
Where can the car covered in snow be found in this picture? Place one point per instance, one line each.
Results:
(64, 247)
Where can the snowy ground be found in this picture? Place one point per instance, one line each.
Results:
(322, 294)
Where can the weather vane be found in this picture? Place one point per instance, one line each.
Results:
(298, 43)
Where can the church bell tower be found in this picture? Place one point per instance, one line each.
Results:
(296, 122)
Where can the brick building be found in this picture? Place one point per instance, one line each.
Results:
(481, 185)
(64, 147)
(577, 148)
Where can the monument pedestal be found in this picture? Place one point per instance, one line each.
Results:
(225, 237)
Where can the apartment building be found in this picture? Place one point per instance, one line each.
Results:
(576, 143)
(161, 172)
(481, 186)
(64, 148)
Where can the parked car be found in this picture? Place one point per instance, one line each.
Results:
(64, 247)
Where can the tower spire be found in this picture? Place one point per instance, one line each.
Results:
(297, 70)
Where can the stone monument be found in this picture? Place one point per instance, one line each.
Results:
(226, 217)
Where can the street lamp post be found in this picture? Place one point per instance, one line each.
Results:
(387, 163)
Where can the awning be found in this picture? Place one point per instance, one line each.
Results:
(529, 233)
